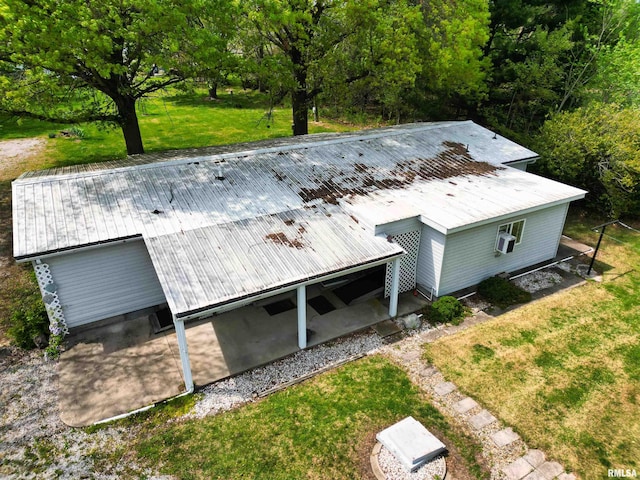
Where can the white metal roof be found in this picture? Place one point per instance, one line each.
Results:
(208, 267)
(449, 173)
(223, 225)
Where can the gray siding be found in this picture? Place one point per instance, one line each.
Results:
(470, 255)
(105, 282)
(430, 257)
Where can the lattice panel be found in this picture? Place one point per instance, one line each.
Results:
(48, 289)
(410, 241)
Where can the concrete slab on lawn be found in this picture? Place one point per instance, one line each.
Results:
(411, 443)
(504, 437)
(517, 469)
(550, 470)
(482, 419)
(464, 405)
(535, 457)
(444, 388)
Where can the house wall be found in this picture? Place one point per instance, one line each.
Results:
(430, 258)
(470, 256)
(104, 282)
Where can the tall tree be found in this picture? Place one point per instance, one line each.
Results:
(597, 148)
(90, 60)
(454, 70)
(310, 46)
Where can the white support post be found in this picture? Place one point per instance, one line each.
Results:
(395, 286)
(302, 317)
(184, 353)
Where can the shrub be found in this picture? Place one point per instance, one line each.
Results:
(77, 131)
(28, 321)
(499, 291)
(446, 310)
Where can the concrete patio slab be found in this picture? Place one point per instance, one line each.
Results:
(116, 369)
(120, 367)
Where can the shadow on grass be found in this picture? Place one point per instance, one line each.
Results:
(15, 127)
(242, 99)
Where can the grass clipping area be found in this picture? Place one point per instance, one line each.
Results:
(324, 428)
(564, 371)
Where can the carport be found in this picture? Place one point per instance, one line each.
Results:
(216, 269)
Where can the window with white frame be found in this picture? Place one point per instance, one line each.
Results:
(514, 228)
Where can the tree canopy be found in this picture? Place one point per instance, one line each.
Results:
(596, 148)
(78, 60)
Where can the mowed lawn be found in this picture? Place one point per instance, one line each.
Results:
(564, 371)
(322, 429)
(168, 120)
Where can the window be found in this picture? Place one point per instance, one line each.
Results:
(514, 228)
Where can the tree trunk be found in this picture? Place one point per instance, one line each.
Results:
(129, 123)
(299, 95)
(213, 89)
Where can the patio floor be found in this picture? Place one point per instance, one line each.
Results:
(117, 368)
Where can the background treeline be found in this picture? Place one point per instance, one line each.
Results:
(560, 77)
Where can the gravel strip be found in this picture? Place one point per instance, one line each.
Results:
(230, 393)
(394, 470)
(34, 443)
(539, 280)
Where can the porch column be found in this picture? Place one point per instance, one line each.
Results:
(184, 353)
(302, 316)
(395, 286)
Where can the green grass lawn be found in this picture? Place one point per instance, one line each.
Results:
(169, 120)
(324, 428)
(564, 371)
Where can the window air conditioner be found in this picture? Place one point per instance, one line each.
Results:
(506, 242)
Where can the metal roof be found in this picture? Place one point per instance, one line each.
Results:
(188, 204)
(449, 173)
(207, 267)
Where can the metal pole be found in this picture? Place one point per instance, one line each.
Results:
(603, 227)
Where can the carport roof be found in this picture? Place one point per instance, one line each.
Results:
(209, 267)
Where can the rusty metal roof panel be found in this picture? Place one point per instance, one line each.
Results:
(212, 266)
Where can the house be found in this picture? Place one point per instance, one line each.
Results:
(440, 206)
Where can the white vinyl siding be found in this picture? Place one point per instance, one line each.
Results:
(470, 255)
(104, 282)
(430, 257)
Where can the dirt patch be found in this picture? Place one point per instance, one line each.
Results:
(13, 154)
(15, 158)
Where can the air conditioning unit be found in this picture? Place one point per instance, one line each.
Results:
(505, 243)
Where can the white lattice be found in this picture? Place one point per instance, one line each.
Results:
(48, 289)
(410, 241)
